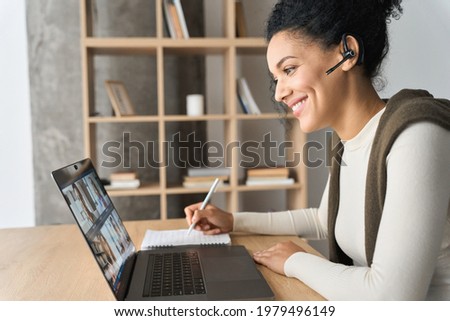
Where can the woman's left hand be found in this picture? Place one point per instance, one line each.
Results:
(275, 257)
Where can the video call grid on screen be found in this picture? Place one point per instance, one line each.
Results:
(101, 225)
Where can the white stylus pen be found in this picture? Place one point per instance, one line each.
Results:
(205, 202)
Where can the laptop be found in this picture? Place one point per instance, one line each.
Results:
(170, 273)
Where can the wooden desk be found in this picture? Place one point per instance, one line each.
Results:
(55, 263)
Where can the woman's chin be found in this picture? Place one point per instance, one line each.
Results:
(308, 127)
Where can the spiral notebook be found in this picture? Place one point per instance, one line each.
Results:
(165, 238)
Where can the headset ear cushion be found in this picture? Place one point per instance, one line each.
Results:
(349, 54)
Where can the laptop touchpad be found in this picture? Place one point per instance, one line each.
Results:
(229, 269)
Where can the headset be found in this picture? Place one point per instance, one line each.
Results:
(349, 53)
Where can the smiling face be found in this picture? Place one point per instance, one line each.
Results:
(298, 67)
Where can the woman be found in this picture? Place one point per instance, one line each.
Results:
(385, 209)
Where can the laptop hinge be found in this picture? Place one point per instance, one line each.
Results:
(125, 278)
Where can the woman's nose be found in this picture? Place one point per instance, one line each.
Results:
(281, 91)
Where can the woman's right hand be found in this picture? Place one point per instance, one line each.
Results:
(211, 220)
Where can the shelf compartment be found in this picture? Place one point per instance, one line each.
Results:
(123, 147)
(255, 14)
(120, 18)
(182, 149)
(183, 75)
(138, 75)
(249, 67)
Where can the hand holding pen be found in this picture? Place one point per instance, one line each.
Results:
(206, 201)
(209, 218)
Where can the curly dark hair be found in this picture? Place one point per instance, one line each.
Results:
(325, 21)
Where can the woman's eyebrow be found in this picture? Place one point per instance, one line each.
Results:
(282, 60)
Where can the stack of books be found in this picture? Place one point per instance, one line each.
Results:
(204, 177)
(268, 176)
(123, 180)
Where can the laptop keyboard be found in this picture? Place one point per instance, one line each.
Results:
(171, 274)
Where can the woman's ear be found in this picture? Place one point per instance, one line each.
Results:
(351, 51)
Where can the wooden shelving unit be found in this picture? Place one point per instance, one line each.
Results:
(157, 47)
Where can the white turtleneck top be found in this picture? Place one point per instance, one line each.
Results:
(412, 255)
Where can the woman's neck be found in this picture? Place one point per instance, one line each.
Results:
(362, 105)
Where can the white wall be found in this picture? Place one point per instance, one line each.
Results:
(420, 46)
(16, 166)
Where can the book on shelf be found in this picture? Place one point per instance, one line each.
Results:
(181, 18)
(125, 184)
(119, 98)
(168, 19)
(208, 171)
(269, 176)
(279, 172)
(123, 180)
(242, 103)
(269, 181)
(204, 181)
(248, 103)
(204, 177)
(121, 176)
(202, 184)
(175, 20)
(241, 27)
(208, 179)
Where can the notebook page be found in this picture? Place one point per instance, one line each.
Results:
(154, 238)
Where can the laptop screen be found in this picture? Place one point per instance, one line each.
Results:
(98, 220)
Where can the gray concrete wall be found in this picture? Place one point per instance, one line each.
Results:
(55, 94)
